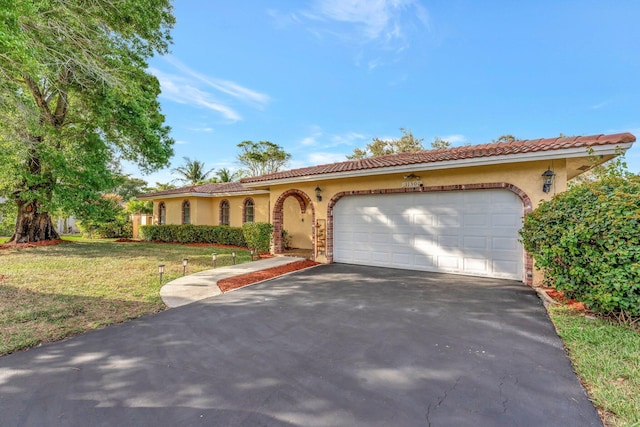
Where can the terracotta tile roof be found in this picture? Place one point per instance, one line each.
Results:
(213, 188)
(449, 154)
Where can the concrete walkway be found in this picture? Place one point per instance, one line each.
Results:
(204, 284)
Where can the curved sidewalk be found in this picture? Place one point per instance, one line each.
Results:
(197, 286)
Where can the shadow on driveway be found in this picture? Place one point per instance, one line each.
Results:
(337, 345)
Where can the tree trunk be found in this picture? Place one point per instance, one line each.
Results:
(33, 226)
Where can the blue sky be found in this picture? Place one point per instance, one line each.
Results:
(321, 77)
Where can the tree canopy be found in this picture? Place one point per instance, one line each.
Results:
(264, 157)
(192, 172)
(225, 175)
(75, 98)
(382, 147)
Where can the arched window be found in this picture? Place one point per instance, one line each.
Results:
(162, 213)
(186, 212)
(248, 210)
(224, 212)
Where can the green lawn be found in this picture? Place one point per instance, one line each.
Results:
(606, 357)
(51, 292)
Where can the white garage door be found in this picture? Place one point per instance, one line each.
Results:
(462, 232)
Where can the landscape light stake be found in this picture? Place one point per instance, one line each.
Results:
(185, 261)
(233, 257)
(214, 257)
(252, 253)
(161, 271)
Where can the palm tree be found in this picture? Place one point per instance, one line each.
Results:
(192, 172)
(225, 175)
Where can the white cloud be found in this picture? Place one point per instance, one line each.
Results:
(456, 139)
(321, 158)
(202, 129)
(225, 86)
(180, 90)
(181, 142)
(383, 21)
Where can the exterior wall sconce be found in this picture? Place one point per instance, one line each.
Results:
(160, 271)
(318, 194)
(214, 258)
(547, 178)
(233, 257)
(185, 261)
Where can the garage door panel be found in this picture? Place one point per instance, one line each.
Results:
(464, 232)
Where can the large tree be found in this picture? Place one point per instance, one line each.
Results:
(382, 147)
(75, 99)
(262, 157)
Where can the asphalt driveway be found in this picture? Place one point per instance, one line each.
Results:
(336, 345)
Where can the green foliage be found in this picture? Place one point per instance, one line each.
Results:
(192, 172)
(189, 233)
(439, 143)
(262, 157)
(108, 219)
(111, 229)
(135, 206)
(8, 211)
(587, 241)
(225, 175)
(128, 187)
(507, 138)
(258, 235)
(77, 98)
(382, 147)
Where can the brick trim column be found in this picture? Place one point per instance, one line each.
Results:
(278, 218)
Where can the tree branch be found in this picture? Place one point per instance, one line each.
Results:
(39, 98)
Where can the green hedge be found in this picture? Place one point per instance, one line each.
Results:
(587, 242)
(258, 235)
(106, 230)
(188, 233)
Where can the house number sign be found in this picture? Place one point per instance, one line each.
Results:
(412, 184)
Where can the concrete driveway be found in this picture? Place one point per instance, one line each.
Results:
(336, 345)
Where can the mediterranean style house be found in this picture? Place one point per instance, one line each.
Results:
(455, 210)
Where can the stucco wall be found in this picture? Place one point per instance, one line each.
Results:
(297, 224)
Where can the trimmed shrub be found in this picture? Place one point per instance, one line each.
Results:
(189, 233)
(106, 230)
(586, 240)
(258, 235)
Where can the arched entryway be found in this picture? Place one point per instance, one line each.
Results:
(294, 212)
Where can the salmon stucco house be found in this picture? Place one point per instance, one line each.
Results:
(455, 210)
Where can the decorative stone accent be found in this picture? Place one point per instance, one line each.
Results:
(278, 217)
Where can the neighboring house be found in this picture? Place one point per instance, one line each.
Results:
(455, 210)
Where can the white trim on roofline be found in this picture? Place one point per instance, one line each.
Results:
(449, 164)
(209, 195)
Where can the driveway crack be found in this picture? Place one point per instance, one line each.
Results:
(441, 400)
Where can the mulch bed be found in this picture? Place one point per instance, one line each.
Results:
(236, 282)
(559, 297)
(31, 244)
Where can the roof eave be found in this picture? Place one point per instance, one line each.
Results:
(450, 164)
(207, 195)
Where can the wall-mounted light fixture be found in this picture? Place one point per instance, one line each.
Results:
(214, 258)
(318, 194)
(547, 179)
(160, 271)
(185, 261)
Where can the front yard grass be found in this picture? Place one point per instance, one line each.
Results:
(606, 357)
(51, 292)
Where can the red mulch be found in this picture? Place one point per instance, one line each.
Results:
(258, 276)
(31, 244)
(571, 303)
